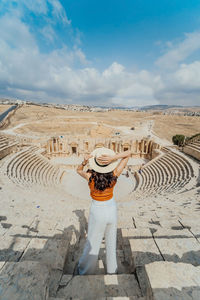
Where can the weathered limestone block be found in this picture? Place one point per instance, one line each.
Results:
(11, 247)
(123, 298)
(170, 224)
(48, 251)
(150, 222)
(100, 286)
(196, 231)
(124, 222)
(140, 245)
(56, 298)
(2, 263)
(46, 228)
(54, 281)
(170, 233)
(189, 222)
(24, 281)
(3, 230)
(19, 218)
(178, 246)
(170, 281)
(139, 233)
(65, 280)
(23, 231)
(100, 267)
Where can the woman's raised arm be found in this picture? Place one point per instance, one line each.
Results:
(81, 166)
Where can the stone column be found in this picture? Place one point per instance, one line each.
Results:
(56, 145)
(142, 146)
(48, 147)
(136, 146)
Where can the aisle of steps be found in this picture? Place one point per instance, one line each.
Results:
(39, 262)
(142, 253)
(156, 261)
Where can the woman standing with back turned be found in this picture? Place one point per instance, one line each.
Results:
(102, 177)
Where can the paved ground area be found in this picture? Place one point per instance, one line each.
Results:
(50, 226)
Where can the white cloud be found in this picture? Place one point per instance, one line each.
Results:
(65, 75)
(14, 33)
(38, 7)
(179, 52)
(26, 72)
(188, 75)
(59, 12)
(114, 69)
(48, 33)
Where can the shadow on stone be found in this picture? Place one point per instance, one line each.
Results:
(186, 293)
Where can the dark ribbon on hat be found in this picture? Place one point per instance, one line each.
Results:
(99, 164)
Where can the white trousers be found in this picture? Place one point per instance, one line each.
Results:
(102, 221)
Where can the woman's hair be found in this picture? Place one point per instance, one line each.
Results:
(102, 180)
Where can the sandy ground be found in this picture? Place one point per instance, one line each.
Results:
(36, 122)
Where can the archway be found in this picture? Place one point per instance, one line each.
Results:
(74, 150)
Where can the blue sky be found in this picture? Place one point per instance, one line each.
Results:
(129, 31)
(131, 52)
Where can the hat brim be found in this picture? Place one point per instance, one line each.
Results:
(102, 169)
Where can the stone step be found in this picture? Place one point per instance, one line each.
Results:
(178, 245)
(24, 280)
(139, 247)
(99, 287)
(170, 281)
(48, 251)
(104, 298)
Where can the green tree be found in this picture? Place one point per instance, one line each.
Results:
(178, 139)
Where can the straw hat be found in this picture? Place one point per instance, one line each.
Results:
(97, 165)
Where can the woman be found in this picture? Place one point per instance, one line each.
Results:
(102, 177)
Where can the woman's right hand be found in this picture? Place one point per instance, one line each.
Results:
(87, 156)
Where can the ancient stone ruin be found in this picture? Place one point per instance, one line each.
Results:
(44, 213)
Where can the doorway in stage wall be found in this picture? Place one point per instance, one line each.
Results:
(74, 150)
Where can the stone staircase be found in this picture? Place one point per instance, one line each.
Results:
(99, 287)
(155, 263)
(158, 251)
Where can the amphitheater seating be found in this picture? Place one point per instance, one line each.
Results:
(7, 145)
(168, 172)
(193, 149)
(28, 167)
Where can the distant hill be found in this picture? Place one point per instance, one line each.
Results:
(159, 107)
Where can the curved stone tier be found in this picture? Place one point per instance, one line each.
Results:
(193, 149)
(7, 145)
(171, 171)
(28, 167)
